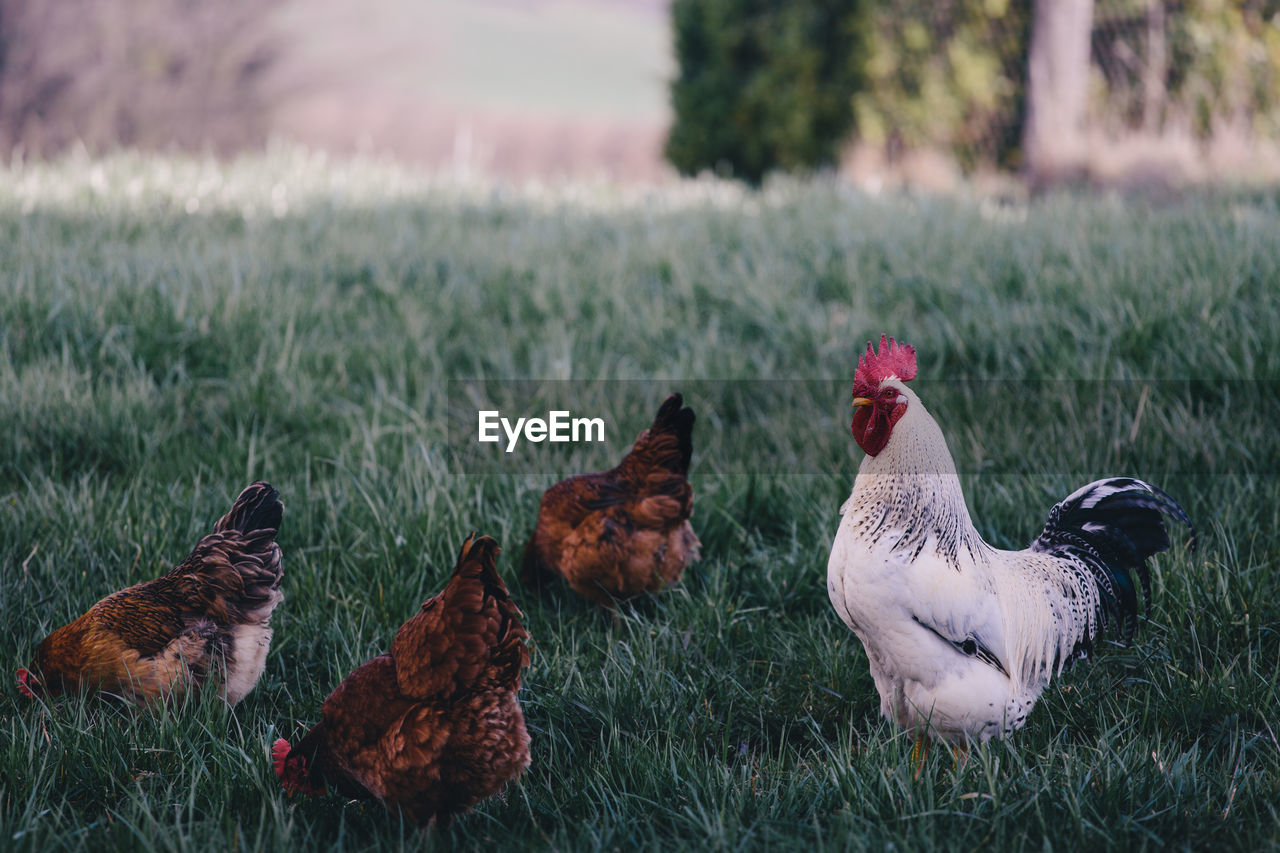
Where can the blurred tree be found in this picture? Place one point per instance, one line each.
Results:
(1197, 65)
(948, 76)
(1057, 90)
(1228, 58)
(764, 84)
(954, 76)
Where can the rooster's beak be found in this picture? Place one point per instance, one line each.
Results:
(861, 401)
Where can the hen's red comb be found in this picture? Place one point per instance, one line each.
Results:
(23, 675)
(893, 359)
(279, 752)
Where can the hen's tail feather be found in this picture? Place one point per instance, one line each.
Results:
(478, 554)
(510, 655)
(235, 572)
(479, 559)
(257, 508)
(675, 418)
(1111, 527)
(436, 652)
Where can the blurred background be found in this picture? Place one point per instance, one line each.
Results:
(932, 94)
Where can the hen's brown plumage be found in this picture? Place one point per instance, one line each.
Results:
(435, 726)
(210, 614)
(619, 533)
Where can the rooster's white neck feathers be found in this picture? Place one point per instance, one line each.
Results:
(911, 486)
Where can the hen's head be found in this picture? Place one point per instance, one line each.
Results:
(45, 675)
(292, 770)
(877, 397)
(26, 681)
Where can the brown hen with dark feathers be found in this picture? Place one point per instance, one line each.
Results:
(209, 614)
(434, 726)
(622, 532)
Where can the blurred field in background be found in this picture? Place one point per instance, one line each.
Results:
(555, 87)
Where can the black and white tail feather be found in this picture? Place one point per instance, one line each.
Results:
(1110, 528)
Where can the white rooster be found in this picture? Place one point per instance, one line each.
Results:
(962, 637)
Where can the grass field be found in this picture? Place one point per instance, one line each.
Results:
(172, 330)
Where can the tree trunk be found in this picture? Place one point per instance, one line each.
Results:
(1155, 70)
(1057, 90)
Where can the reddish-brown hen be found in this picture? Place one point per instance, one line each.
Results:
(209, 617)
(435, 726)
(626, 531)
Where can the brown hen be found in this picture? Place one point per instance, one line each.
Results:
(625, 531)
(435, 726)
(208, 618)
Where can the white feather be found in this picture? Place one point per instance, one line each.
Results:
(250, 642)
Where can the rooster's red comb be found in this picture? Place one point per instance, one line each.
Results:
(893, 359)
(279, 752)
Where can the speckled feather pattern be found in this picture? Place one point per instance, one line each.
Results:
(434, 726)
(619, 533)
(209, 615)
(961, 637)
